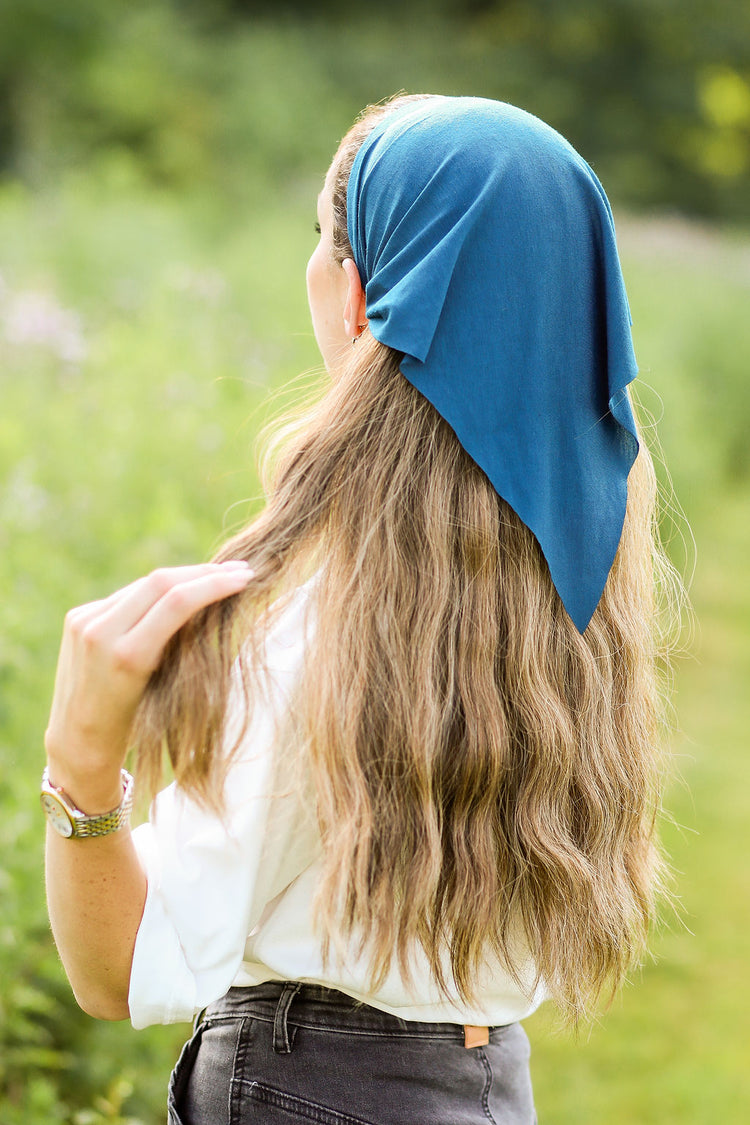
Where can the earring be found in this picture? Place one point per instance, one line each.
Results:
(355, 338)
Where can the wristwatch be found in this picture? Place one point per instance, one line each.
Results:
(69, 821)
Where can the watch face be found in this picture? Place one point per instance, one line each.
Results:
(57, 815)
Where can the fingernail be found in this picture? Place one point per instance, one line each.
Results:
(243, 577)
(237, 564)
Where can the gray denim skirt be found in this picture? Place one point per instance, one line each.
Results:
(284, 1052)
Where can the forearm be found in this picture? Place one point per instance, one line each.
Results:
(96, 892)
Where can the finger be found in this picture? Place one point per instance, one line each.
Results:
(81, 614)
(141, 647)
(124, 609)
(89, 611)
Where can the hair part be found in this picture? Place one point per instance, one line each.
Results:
(478, 765)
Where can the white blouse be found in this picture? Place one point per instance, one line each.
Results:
(229, 900)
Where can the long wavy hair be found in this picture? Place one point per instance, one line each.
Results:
(477, 764)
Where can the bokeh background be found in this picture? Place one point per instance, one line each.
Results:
(159, 162)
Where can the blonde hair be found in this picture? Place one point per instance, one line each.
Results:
(477, 763)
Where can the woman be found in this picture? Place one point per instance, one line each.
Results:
(411, 709)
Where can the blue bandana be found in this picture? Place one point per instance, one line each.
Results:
(487, 250)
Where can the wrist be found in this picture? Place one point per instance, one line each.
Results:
(93, 791)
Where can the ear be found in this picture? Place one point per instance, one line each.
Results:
(355, 305)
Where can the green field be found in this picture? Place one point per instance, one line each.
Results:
(143, 341)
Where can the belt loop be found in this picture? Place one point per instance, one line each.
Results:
(281, 1042)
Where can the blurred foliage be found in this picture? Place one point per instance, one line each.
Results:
(159, 166)
(229, 96)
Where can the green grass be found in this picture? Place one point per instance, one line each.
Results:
(140, 452)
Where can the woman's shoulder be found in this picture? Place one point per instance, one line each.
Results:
(274, 667)
(291, 618)
(265, 678)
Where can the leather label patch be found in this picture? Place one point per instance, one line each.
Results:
(476, 1036)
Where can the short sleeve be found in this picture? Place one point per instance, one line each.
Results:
(210, 878)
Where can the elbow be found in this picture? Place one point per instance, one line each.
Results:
(103, 1006)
